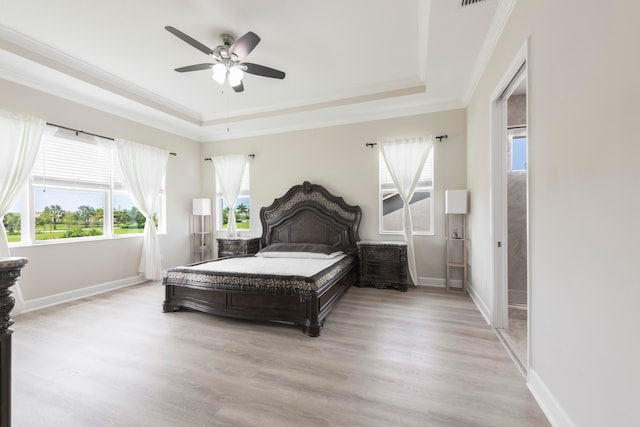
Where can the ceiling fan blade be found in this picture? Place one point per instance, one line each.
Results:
(196, 67)
(193, 42)
(261, 70)
(239, 88)
(244, 45)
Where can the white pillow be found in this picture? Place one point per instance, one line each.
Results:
(299, 250)
(307, 255)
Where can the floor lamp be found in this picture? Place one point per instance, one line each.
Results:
(456, 204)
(202, 208)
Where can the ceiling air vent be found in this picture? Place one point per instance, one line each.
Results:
(468, 2)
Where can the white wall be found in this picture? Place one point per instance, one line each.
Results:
(584, 203)
(66, 267)
(336, 157)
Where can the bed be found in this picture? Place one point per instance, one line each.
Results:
(308, 219)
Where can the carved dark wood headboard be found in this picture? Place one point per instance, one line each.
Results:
(308, 213)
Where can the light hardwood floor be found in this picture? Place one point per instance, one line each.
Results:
(515, 336)
(385, 358)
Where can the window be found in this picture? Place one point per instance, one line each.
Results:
(64, 213)
(73, 184)
(242, 208)
(70, 182)
(421, 203)
(519, 153)
(13, 223)
(127, 219)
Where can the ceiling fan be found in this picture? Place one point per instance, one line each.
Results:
(228, 59)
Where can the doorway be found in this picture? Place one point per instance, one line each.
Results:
(510, 213)
(515, 332)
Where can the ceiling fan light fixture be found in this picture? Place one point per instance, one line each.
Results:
(219, 73)
(235, 76)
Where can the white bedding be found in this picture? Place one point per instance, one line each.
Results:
(302, 267)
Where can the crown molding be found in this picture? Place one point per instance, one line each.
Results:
(40, 53)
(498, 23)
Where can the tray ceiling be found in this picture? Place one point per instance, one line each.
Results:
(344, 61)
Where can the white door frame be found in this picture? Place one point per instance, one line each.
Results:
(498, 195)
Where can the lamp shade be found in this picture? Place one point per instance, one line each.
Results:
(219, 73)
(202, 206)
(455, 202)
(235, 76)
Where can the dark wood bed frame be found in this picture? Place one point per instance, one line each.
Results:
(307, 213)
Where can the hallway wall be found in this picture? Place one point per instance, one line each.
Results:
(584, 201)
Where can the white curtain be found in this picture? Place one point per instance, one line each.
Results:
(405, 160)
(229, 170)
(20, 138)
(143, 168)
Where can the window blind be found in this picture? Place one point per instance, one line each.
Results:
(73, 163)
(244, 185)
(425, 180)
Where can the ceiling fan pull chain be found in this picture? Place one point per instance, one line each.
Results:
(227, 112)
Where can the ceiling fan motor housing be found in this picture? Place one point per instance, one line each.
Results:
(222, 52)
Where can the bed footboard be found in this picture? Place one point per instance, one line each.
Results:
(308, 313)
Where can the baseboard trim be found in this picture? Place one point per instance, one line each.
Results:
(482, 307)
(509, 350)
(48, 301)
(439, 283)
(548, 403)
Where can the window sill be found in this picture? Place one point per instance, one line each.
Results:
(76, 240)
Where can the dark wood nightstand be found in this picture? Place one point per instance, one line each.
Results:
(234, 246)
(383, 264)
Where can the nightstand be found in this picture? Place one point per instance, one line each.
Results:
(383, 264)
(234, 246)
